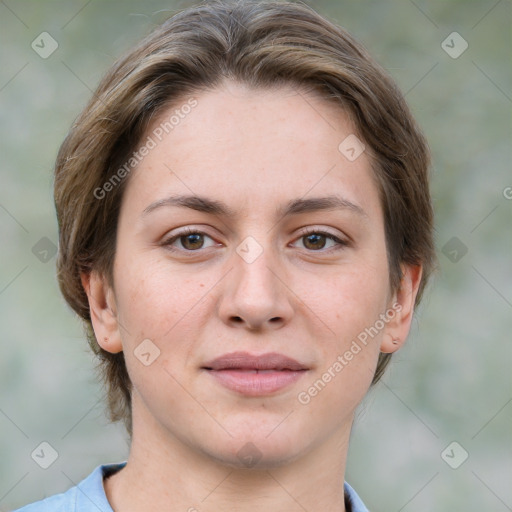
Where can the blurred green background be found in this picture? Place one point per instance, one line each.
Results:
(452, 381)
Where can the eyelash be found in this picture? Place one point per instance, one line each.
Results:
(341, 244)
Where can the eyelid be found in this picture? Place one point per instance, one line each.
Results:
(319, 230)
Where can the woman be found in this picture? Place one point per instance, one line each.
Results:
(245, 229)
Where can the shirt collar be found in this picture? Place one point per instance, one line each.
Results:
(92, 491)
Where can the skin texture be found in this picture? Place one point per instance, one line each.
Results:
(254, 150)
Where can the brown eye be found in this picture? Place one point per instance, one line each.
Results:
(190, 241)
(315, 240)
(193, 241)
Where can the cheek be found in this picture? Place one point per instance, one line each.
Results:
(352, 300)
(349, 356)
(351, 305)
(156, 301)
(165, 307)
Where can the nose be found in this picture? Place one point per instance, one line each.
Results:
(256, 295)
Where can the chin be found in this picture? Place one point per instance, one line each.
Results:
(252, 448)
(253, 456)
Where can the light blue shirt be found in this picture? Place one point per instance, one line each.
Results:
(89, 496)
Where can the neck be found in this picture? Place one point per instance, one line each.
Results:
(163, 473)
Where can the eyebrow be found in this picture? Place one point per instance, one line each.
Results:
(293, 207)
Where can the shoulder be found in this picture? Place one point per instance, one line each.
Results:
(56, 503)
(87, 496)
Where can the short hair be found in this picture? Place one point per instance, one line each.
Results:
(262, 45)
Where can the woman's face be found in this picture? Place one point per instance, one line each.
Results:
(259, 265)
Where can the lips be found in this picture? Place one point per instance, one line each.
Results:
(246, 361)
(259, 375)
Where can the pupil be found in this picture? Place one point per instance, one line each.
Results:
(193, 238)
(315, 240)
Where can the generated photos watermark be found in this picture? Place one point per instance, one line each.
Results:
(343, 360)
(150, 143)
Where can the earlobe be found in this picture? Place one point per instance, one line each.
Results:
(390, 344)
(103, 311)
(398, 327)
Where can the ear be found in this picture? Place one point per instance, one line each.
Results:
(103, 311)
(402, 303)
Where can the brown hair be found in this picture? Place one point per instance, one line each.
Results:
(262, 44)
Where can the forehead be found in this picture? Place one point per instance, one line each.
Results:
(249, 147)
